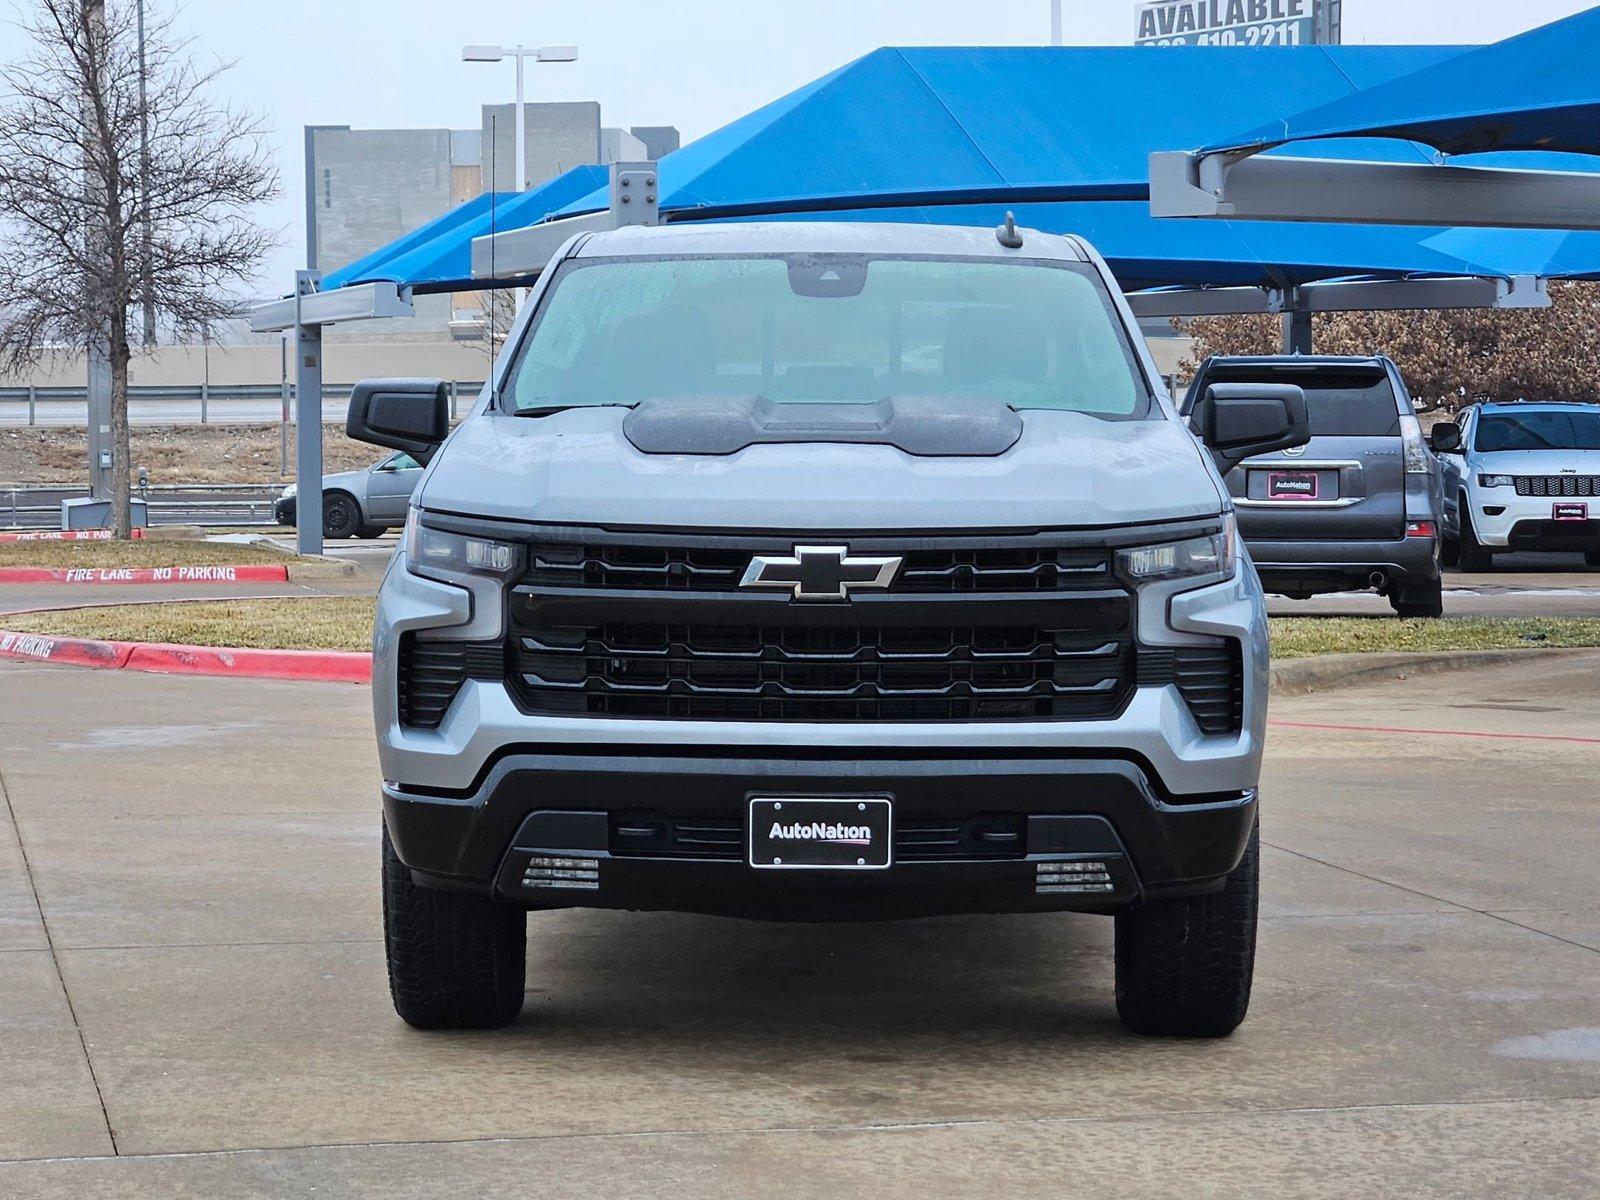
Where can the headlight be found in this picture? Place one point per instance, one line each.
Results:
(289, 492)
(1200, 559)
(1496, 481)
(440, 555)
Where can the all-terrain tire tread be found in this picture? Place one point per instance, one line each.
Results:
(1184, 966)
(457, 960)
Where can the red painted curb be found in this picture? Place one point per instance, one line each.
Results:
(258, 573)
(76, 651)
(64, 535)
(326, 666)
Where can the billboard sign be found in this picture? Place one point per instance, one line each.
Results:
(1229, 23)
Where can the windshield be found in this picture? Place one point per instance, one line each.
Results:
(1539, 431)
(839, 329)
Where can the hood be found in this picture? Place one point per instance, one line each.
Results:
(577, 468)
(1538, 462)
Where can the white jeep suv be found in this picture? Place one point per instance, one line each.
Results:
(1521, 476)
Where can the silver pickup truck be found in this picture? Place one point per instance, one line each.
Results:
(823, 571)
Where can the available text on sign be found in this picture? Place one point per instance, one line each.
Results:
(1226, 23)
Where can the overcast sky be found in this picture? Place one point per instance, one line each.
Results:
(696, 64)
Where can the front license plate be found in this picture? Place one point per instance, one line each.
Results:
(807, 833)
(1292, 485)
(1570, 512)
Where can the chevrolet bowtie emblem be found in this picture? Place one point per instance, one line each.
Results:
(819, 572)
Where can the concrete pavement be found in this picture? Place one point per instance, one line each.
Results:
(194, 1000)
(1521, 585)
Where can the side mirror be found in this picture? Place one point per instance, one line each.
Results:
(1239, 420)
(403, 414)
(1446, 437)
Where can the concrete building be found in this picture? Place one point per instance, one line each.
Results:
(367, 187)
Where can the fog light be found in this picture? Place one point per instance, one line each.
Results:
(1079, 878)
(582, 874)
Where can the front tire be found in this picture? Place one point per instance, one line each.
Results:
(1475, 557)
(1184, 966)
(457, 960)
(340, 516)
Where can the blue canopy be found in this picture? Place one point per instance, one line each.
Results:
(437, 257)
(1145, 252)
(963, 125)
(1537, 91)
(1062, 135)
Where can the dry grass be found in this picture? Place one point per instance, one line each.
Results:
(174, 454)
(1302, 637)
(313, 623)
(345, 623)
(161, 553)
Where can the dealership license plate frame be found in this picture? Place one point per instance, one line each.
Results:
(1276, 478)
(876, 812)
(1576, 511)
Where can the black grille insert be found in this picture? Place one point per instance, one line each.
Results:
(719, 569)
(1211, 680)
(1558, 485)
(924, 839)
(431, 673)
(821, 672)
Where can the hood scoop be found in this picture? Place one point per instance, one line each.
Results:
(926, 426)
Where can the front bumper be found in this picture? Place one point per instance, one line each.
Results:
(1309, 567)
(557, 830)
(1506, 521)
(283, 511)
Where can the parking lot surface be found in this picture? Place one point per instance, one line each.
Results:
(195, 1004)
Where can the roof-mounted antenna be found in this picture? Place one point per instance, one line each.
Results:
(1007, 235)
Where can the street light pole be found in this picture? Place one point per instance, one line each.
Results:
(520, 53)
(522, 133)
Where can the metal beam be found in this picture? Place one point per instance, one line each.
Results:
(308, 419)
(1359, 295)
(519, 254)
(358, 302)
(1253, 187)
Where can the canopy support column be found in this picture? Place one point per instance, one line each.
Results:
(308, 420)
(1297, 331)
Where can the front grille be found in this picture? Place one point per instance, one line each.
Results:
(719, 569)
(822, 672)
(432, 672)
(1558, 485)
(983, 836)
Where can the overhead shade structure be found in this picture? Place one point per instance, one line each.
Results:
(1143, 252)
(1520, 118)
(437, 257)
(972, 124)
(1537, 91)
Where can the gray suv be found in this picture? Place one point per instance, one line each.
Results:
(1359, 505)
(822, 571)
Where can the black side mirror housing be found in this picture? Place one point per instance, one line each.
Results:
(1239, 420)
(1446, 438)
(403, 414)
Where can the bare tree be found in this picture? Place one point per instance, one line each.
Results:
(1449, 357)
(96, 221)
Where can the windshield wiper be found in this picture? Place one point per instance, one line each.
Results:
(545, 410)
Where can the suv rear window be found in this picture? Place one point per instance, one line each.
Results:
(1339, 403)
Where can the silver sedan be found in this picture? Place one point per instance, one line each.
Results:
(360, 503)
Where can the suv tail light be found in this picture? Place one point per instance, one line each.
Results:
(1421, 529)
(1416, 448)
